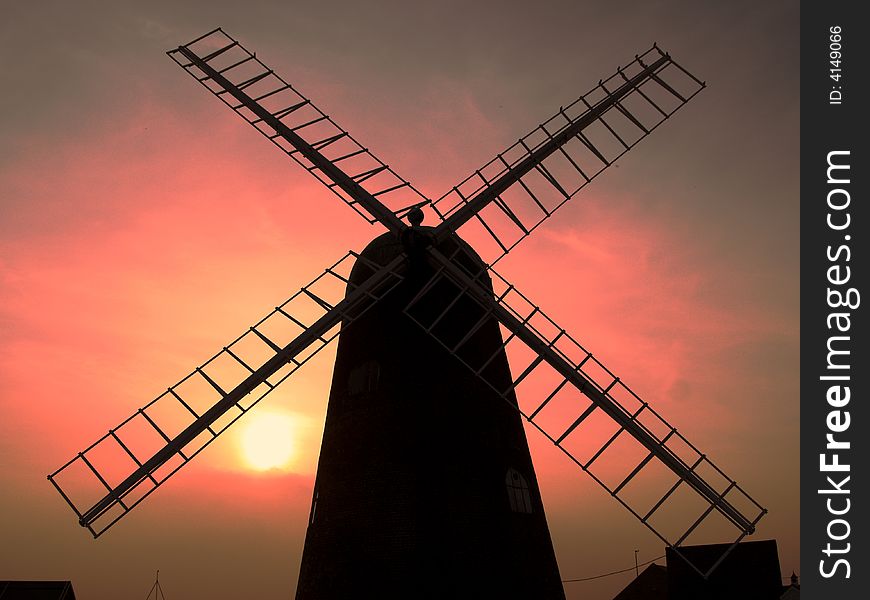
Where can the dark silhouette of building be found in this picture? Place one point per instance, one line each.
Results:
(651, 584)
(750, 572)
(425, 486)
(36, 590)
(792, 591)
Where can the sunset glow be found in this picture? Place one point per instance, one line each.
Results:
(268, 441)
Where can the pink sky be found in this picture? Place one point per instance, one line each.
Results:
(151, 227)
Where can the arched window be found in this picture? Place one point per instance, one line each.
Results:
(518, 492)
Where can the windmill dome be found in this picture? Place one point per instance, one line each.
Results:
(388, 246)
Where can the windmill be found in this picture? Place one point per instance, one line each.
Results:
(421, 377)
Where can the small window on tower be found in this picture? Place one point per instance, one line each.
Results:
(313, 507)
(363, 378)
(518, 492)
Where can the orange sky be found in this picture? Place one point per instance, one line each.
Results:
(144, 227)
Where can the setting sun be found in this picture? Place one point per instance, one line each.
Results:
(268, 440)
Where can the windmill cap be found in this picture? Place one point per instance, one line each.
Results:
(388, 246)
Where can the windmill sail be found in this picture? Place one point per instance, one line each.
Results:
(114, 474)
(501, 203)
(300, 129)
(589, 413)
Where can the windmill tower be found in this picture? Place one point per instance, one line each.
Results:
(424, 468)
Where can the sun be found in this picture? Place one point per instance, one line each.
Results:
(268, 440)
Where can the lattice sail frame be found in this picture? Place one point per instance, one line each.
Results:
(281, 100)
(114, 474)
(650, 89)
(582, 397)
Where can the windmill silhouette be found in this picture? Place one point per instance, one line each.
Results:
(424, 467)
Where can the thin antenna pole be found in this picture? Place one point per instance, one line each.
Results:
(156, 589)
